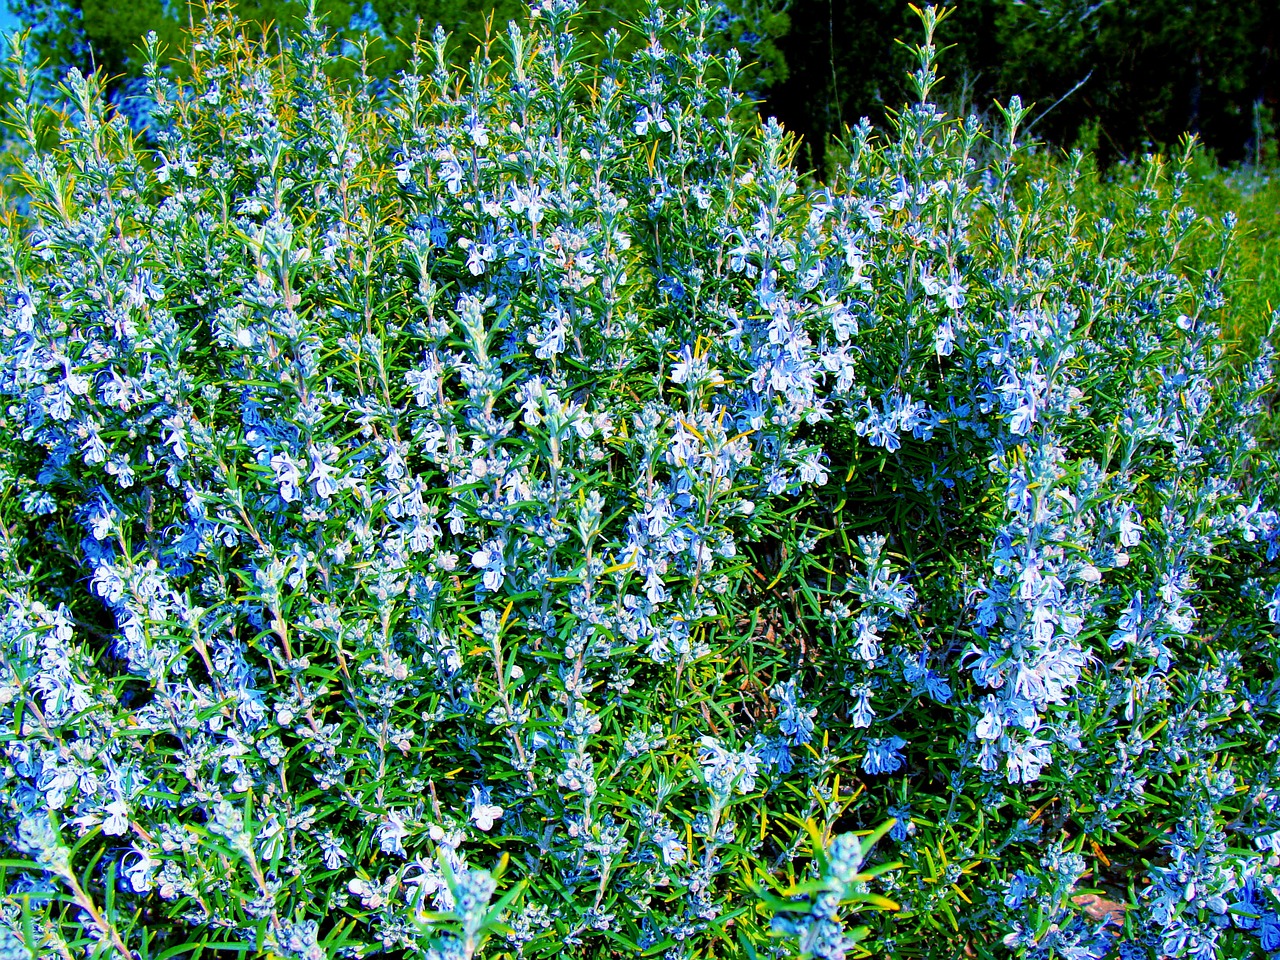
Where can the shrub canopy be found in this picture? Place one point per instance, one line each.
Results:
(509, 516)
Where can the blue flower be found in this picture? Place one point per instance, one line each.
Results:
(884, 755)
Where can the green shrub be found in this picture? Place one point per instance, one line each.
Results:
(504, 514)
(1250, 195)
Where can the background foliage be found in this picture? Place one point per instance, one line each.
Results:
(1147, 71)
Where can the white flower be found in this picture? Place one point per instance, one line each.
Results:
(391, 833)
(117, 822)
(322, 476)
(140, 873)
(489, 559)
(483, 813)
(286, 475)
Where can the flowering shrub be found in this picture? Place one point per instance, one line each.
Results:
(511, 516)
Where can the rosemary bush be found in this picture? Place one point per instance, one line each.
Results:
(504, 513)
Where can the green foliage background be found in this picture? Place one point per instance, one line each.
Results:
(1129, 73)
(92, 34)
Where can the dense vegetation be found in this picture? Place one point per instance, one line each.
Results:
(108, 36)
(509, 511)
(1129, 75)
(1119, 78)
